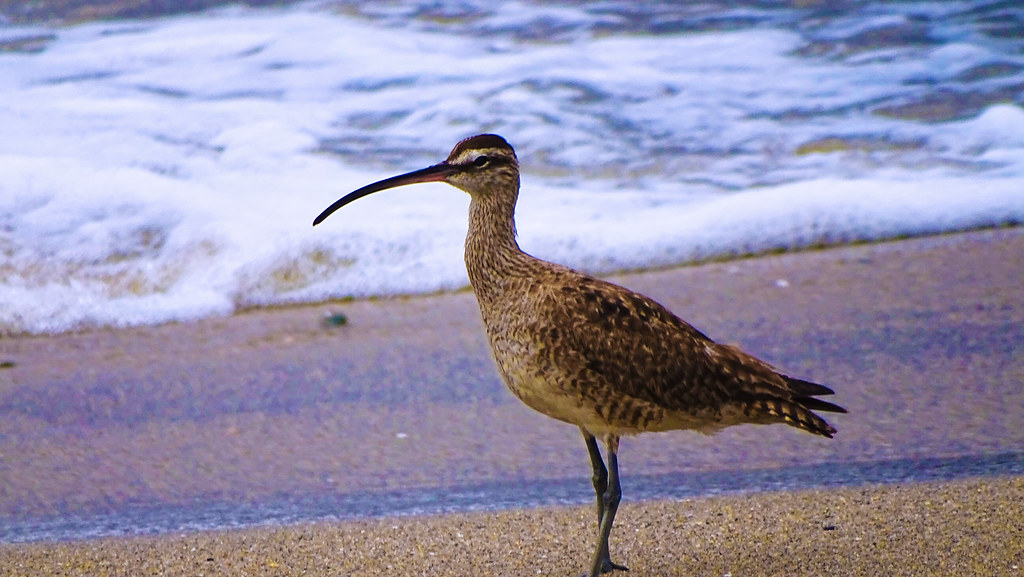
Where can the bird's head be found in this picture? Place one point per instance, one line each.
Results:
(480, 165)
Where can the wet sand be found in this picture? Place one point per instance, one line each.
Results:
(921, 338)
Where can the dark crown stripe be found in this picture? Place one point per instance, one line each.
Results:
(480, 142)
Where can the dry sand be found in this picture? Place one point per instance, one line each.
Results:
(971, 527)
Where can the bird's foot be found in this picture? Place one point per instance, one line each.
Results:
(607, 567)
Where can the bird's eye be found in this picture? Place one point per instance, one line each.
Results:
(481, 161)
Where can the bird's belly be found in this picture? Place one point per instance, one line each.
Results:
(567, 404)
(547, 398)
(571, 393)
(529, 377)
(616, 414)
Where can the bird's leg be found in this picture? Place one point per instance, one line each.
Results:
(600, 477)
(609, 504)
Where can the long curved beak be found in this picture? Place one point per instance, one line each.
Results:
(436, 173)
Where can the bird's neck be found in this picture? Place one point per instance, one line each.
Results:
(492, 253)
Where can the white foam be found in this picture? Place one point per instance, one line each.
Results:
(170, 169)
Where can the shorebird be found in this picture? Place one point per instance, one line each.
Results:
(592, 353)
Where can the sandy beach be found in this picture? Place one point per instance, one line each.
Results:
(921, 339)
(973, 527)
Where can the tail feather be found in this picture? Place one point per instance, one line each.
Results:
(793, 414)
(819, 405)
(807, 388)
(797, 410)
(806, 391)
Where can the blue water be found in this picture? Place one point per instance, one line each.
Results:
(285, 509)
(169, 168)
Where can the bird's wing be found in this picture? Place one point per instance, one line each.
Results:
(640, 349)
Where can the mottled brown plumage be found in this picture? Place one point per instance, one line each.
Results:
(594, 354)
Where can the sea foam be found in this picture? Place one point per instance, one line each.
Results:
(169, 169)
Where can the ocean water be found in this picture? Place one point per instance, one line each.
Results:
(169, 168)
